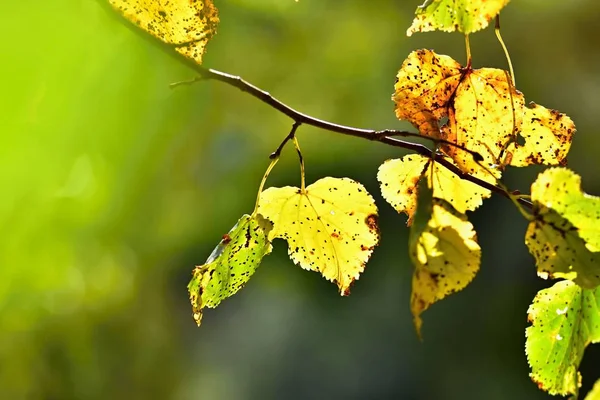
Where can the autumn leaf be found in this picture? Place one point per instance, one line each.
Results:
(547, 135)
(188, 25)
(424, 86)
(443, 247)
(564, 235)
(560, 189)
(330, 227)
(230, 265)
(564, 320)
(465, 16)
(399, 180)
(480, 110)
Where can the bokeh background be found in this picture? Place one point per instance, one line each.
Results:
(114, 186)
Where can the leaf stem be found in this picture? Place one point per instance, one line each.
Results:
(262, 183)
(302, 175)
(468, 47)
(510, 67)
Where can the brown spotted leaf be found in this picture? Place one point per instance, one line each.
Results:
(187, 25)
(564, 235)
(565, 319)
(483, 109)
(444, 249)
(465, 16)
(230, 265)
(547, 135)
(330, 227)
(399, 179)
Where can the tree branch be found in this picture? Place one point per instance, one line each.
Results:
(383, 136)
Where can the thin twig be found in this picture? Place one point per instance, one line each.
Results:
(290, 136)
(383, 136)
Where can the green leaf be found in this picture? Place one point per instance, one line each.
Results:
(330, 227)
(187, 25)
(231, 264)
(443, 247)
(466, 16)
(564, 320)
(564, 235)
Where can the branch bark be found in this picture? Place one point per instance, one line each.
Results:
(384, 136)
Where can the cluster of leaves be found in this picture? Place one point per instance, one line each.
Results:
(481, 125)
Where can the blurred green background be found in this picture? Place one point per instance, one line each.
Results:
(114, 186)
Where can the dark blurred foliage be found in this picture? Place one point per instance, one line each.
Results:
(114, 186)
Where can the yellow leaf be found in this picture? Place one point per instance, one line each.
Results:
(188, 25)
(466, 16)
(331, 227)
(547, 135)
(425, 83)
(444, 251)
(399, 179)
(483, 108)
(485, 115)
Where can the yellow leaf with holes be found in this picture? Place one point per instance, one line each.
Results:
(443, 248)
(230, 265)
(424, 85)
(483, 109)
(187, 25)
(399, 179)
(547, 136)
(465, 16)
(330, 227)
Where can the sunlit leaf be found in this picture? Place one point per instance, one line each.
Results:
(230, 265)
(547, 135)
(479, 110)
(594, 394)
(559, 251)
(560, 189)
(564, 235)
(331, 227)
(444, 250)
(564, 320)
(424, 85)
(465, 16)
(188, 25)
(399, 179)
(483, 108)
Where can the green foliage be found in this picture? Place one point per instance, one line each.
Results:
(565, 319)
(231, 264)
(479, 124)
(465, 16)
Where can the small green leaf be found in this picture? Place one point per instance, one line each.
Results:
(231, 264)
(443, 247)
(466, 16)
(565, 319)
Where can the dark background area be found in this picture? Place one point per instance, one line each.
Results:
(114, 186)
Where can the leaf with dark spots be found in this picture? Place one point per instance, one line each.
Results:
(230, 265)
(326, 226)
